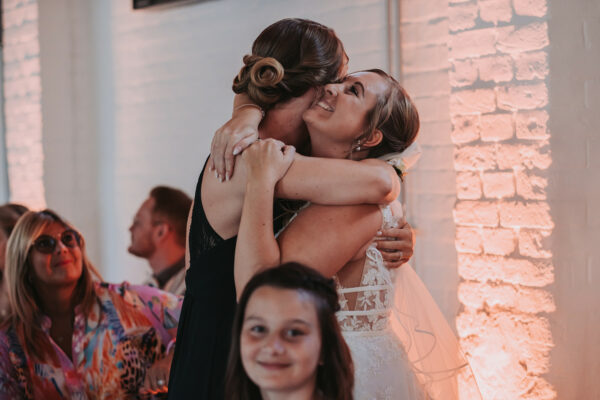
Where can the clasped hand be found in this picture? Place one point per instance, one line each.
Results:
(268, 160)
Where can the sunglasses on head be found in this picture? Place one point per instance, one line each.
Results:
(46, 244)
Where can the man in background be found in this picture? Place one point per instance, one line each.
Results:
(158, 235)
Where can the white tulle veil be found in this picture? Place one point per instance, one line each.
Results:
(431, 345)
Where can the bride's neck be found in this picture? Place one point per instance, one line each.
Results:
(321, 147)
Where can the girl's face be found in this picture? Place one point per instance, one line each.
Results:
(58, 266)
(339, 117)
(281, 340)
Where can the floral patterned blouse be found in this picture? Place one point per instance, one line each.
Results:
(128, 328)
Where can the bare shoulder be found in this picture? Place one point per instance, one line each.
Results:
(223, 201)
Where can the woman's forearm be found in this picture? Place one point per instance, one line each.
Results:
(240, 99)
(256, 247)
(339, 182)
(327, 237)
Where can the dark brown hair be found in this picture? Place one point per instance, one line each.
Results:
(395, 115)
(335, 378)
(288, 58)
(174, 206)
(9, 215)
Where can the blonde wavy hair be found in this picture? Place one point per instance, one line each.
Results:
(25, 308)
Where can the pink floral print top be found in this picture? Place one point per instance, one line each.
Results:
(127, 330)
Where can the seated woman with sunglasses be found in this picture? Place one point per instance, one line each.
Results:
(69, 336)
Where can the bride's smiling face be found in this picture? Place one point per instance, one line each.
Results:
(340, 115)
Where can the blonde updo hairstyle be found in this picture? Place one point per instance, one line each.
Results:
(288, 58)
(25, 305)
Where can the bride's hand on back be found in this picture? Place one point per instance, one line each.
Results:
(396, 245)
(268, 160)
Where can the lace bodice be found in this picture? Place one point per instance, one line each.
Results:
(375, 293)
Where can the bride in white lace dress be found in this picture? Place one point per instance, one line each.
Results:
(401, 345)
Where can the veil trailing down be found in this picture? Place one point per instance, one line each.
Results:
(401, 343)
(430, 345)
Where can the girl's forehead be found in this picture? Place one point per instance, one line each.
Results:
(269, 301)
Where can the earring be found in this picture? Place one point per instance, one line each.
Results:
(357, 148)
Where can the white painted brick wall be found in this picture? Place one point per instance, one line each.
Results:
(518, 186)
(133, 98)
(149, 87)
(431, 191)
(22, 102)
(499, 69)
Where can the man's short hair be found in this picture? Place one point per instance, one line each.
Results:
(172, 205)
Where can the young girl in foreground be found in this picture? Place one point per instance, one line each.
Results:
(286, 340)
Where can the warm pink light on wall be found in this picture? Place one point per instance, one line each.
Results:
(22, 103)
(498, 102)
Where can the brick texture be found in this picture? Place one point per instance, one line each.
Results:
(22, 103)
(498, 107)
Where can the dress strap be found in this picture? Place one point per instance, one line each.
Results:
(375, 258)
(389, 219)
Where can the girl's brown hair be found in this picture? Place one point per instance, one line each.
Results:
(26, 310)
(288, 58)
(335, 377)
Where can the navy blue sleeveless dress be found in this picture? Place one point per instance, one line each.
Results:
(206, 321)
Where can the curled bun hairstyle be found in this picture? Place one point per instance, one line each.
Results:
(262, 75)
(265, 71)
(288, 58)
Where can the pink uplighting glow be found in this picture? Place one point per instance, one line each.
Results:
(498, 102)
(23, 106)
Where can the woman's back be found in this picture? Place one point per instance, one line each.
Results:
(382, 369)
(206, 322)
(401, 343)
(365, 286)
(206, 319)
